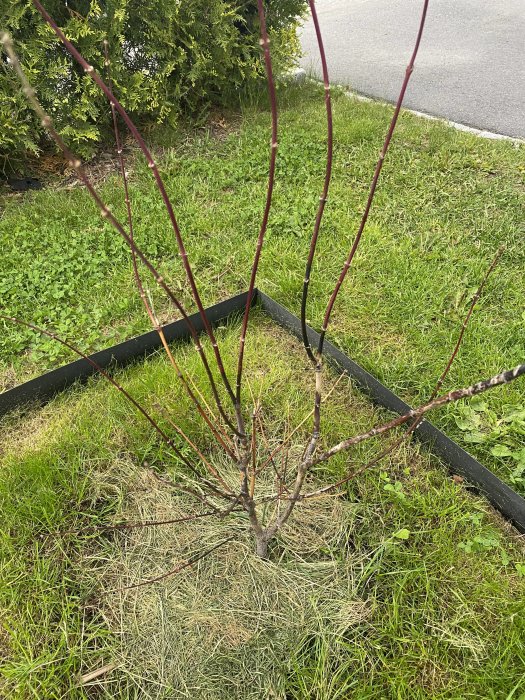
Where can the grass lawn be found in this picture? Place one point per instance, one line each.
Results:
(447, 200)
(364, 595)
(425, 619)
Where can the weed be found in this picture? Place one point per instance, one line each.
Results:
(503, 434)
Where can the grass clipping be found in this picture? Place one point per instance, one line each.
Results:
(228, 625)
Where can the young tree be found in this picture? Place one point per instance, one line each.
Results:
(228, 422)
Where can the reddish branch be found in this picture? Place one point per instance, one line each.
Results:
(105, 212)
(197, 451)
(328, 175)
(151, 315)
(375, 180)
(89, 70)
(265, 43)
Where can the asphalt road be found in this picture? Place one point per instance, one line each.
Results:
(471, 63)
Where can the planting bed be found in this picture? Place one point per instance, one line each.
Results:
(400, 585)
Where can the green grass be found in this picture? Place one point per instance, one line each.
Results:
(429, 601)
(446, 201)
(444, 607)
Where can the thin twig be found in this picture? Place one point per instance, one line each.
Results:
(106, 376)
(466, 320)
(194, 447)
(125, 393)
(271, 459)
(138, 524)
(417, 421)
(179, 568)
(285, 457)
(253, 451)
(298, 427)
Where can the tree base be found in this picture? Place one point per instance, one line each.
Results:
(261, 547)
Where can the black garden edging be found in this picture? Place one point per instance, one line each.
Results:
(41, 389)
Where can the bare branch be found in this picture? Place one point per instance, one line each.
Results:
(253, 451)
(328, 175)
(265, 43)
(497, 380)
(106, 213)
(375, 179)
(90, 71)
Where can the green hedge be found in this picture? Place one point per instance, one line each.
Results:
(169, 57)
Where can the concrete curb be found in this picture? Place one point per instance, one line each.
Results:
(481, 133)
(300, 76)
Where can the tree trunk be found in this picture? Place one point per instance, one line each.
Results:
(261, 546)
